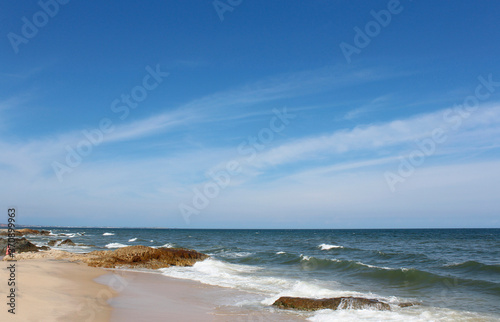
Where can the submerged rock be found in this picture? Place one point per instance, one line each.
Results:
(335, 303)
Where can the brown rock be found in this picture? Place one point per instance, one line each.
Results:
(53, 242)
(24, 232)
(336, 303)
(5, 232)
(27, 231)
(131, 256)
(68, 242)
(144, 257)
(21, 245)
(407, 304)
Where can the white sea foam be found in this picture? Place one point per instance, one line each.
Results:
(304, 257)
(73, 249)
(115, 245)
(215, 272)
(328, 246)
(363, 264)
(415, 314)
(167, 245)
(237, 254)
(70, 235)
(280, 252)
(373, 266)
(132, 239)
(248, 278)
(108, 234)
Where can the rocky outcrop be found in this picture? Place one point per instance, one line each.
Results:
(144, 257)
(21, 245)
(67, 242)
(127, 257)
(336, 303)
(25, 231)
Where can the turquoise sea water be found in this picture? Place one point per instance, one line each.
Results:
(453, 273)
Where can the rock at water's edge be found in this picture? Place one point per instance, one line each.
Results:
(335, 303)
(21, 245)
(144, 257)
(130, 257)
(68, 242)
(24, 232)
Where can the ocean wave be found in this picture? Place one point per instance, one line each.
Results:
(473, 266)
(328, 246)
(115, 245)
(419, 278)
(280, 252)
(108, 234)
(304, 257)
(311, 262)
(236, 254)
(248, 278)
(167, 245)
(132, 239)
(69, 235)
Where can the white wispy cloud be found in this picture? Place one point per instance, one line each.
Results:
(370, 107)
(478, 127)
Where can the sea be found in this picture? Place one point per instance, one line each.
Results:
(451, 274)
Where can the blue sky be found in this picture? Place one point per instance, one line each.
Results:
(163, 114)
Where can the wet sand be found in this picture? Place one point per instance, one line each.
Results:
(154, 297)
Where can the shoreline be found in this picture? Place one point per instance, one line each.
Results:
(51, 289)
(57, 290)
(152, 296)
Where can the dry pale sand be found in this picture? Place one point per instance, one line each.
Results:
(54, 290)
(154, 297)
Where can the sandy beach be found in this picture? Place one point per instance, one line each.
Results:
(59, 290)
(55, 290)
